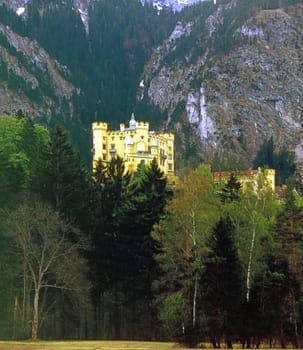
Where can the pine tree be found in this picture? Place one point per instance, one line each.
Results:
(231, 191)
(288, 235)
(65, 178)
(222, 285)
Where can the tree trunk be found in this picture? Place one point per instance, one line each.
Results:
(248, 276)
(35, 322)
(15, 317)
(195, 300)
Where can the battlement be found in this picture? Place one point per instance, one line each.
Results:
(100, 126)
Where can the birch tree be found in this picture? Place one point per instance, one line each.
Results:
(182, 236)
(252, 215)
(49, 257)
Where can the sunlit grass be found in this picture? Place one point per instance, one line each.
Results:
(92, 345)
(87, 345)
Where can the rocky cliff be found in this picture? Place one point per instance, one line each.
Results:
(238, 82)
(225, 79)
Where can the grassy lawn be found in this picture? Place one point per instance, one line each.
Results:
(91, 345)
(87, 345)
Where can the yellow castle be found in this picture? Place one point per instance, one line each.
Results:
(135, 144)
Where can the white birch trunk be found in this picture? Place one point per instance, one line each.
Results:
(249, 267)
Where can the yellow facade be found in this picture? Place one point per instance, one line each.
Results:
(246, 176)
(135, 144)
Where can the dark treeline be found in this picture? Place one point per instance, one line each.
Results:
(76, 251)
(106, 255)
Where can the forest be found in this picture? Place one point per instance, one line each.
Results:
(102, 254)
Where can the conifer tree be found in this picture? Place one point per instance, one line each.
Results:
(288, 235)
(222, 285)
(148, 193)
(231, 191)
(65, 184)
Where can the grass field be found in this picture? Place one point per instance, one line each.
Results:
(87, 345)
(91, 345)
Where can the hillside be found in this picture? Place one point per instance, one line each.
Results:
(234, 75)
(224, 77)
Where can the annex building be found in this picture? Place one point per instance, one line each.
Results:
(246, 176)
(135, 144)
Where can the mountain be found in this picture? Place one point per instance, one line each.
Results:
(55, 66)
(224, 77)
(175, 5)
(230, 78)
(19, 6)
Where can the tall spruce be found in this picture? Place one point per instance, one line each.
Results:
(289, 237)
(109, 263)
(65, 184)
(280, 160)
(222, 285)
(149, 194)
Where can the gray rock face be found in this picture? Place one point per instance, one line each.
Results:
(234, 98)
(52, 72)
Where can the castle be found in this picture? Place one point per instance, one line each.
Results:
(135, 144)
(246, 176)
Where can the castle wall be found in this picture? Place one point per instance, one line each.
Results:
(135, 144)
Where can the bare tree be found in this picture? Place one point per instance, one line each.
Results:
(49, 250)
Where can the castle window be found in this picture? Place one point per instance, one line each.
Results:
(170, 167)
(104, 156)
(104, 146)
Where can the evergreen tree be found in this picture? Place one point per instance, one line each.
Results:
(265, 155)
(282, 161)
(148, 195)
(231, 192)
(65, 182)
(288, 235)
(222, 285)
(109, 263)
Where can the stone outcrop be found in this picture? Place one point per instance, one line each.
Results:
(237, 97)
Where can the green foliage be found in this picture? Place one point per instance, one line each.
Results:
(64, 183)
(190, 273)
(231, 192)
(182, 236)
(174, 314)
(282, 161)
(222, 285)
(21, 144)
(288, 238)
